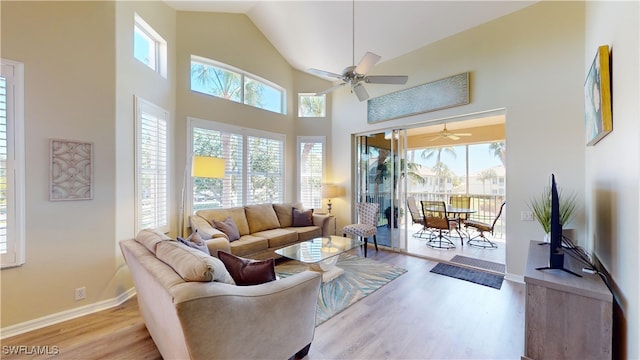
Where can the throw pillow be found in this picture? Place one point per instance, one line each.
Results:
(229, 227)
(248, 272)
(302, 218)
(195, 241)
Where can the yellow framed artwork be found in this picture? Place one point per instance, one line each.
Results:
(597, 98)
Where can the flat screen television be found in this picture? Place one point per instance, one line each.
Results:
(556, 251)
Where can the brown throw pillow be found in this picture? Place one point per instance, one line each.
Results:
(248, 272)
(302, 218)
(195, 241)
(229, 227)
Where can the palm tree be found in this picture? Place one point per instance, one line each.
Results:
(487, 175)
(499, 150)
(437, 152)
(221, 83)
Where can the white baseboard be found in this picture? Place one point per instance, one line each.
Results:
(53, 319)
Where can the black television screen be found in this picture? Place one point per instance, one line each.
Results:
(556, 255)
(556, 252)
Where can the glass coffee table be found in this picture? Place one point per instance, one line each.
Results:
(320, 254)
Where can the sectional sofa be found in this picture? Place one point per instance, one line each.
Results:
(261, 228)
(193, 309)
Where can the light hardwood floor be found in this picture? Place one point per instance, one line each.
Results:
(420, 315)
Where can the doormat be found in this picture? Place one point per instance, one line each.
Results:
(483, 264)
(474, 276)
(361, 278)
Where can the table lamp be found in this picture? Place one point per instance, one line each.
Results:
(201, 167)
(330, 191)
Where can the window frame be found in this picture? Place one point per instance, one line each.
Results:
(16, 194)
(142, 105)
(310, 139)
(245, 133)
(159, 45)
(244, 77)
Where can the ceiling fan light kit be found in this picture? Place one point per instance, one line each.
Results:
(355, 75)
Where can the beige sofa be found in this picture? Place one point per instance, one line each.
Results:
(192, 313)
(263, 228)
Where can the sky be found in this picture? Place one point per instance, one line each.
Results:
(481, 158)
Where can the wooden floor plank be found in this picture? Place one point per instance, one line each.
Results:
(420, 315)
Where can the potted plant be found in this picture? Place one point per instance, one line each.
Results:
(541, 207)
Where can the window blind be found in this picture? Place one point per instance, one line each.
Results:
(311, 154)
(153, 187)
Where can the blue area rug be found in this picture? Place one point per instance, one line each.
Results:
(474, 276)
(361, 278)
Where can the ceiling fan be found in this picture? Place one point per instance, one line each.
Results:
(446, 134)
(356, 75)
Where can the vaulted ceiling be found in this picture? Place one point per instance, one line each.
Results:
(320, 34)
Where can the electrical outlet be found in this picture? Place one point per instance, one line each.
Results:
(81, 293)
(526, 216)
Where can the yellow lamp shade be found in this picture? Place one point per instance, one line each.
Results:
(207, 167)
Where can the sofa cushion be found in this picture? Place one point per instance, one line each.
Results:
(150, 238)
(236, 213)
(302, 217)
(192, 264)
(279, 237)
(248, 272)
(229, 227)
(195, 241)
(249, 244)
(261, 217)
(285, 213)
(307, 232)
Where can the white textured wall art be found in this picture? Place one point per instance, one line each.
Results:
(436, 95)
(71, 170)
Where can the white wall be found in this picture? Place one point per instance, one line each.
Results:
(70, 84)
(612, 176)
(529, 63)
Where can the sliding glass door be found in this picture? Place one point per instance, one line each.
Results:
(380, 178)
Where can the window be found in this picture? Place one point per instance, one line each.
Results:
(12, 165)
(254, 165)
(152, 195)
(149, 47)
(312, 105)
(213, 78)
(310, 170)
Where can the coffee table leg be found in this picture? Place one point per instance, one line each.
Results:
(327, 268)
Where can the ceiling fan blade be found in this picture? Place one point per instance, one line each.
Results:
(453, 137)
(368, 61)
(462, 134)
(360, 91)
(326, 91)
(387, 79)
(324, 73)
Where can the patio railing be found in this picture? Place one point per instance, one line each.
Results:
(486, 206)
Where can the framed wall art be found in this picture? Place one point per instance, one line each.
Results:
(71, 174)
(597, 98)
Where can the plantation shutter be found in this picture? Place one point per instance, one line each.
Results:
(311, 154)
(218, 193)
(4, 181)
(152, 184)
(265, 168)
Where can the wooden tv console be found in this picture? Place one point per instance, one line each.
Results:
(566, 316)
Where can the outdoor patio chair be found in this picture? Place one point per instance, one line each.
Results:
(480, 240)
(438, 224)
(416, 216)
